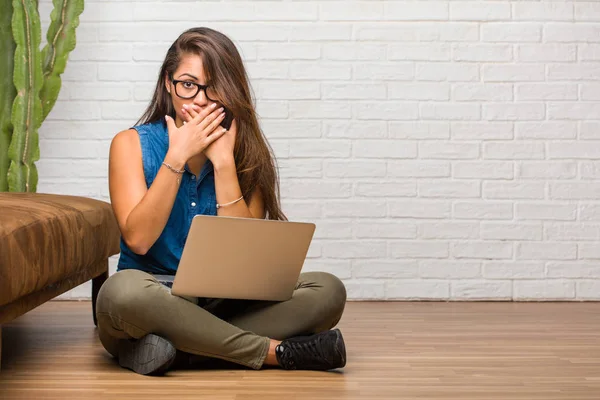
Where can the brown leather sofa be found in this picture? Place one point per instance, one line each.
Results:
(50, 244)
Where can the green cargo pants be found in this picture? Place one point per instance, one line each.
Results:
(133, 303)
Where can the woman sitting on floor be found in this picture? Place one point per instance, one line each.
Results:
(178, 161)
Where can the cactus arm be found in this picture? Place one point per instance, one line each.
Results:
(27, 107)
(7, 89)
(61, 41)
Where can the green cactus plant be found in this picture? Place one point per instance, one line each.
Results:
(7, 92)
(26, 101)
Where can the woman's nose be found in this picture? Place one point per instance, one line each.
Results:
(201, 98)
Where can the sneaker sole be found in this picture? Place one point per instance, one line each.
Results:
(341, 348)
(150, 355)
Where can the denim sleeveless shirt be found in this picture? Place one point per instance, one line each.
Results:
(195, 196)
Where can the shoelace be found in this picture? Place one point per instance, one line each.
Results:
(304, 353)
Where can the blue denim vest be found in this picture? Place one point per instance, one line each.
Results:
(195, 196)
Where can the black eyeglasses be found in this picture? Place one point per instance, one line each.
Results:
(188, 89)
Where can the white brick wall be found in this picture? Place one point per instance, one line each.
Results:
(445, 149)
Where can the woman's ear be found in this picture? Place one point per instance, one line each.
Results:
(167, 83)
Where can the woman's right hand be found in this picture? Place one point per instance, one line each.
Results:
(196, 134)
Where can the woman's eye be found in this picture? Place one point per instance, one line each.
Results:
(188, 85)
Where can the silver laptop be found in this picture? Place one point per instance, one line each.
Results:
(242, 258)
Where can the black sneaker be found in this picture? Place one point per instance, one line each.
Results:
(150, 355)
(321, 352)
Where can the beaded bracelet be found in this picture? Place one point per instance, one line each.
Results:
(177, 171)
(173, 169)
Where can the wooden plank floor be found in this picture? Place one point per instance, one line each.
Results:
(398, 350)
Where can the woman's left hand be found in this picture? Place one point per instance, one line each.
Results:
(221, 150)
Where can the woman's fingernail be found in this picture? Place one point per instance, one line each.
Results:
(213, 105)
(185, 106)
(221, 109)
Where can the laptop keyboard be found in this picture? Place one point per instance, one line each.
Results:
(166, 280)
(168, 284)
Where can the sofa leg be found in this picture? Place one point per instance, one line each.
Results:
(96, 285)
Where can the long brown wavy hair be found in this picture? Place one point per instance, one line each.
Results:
(225, 72)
